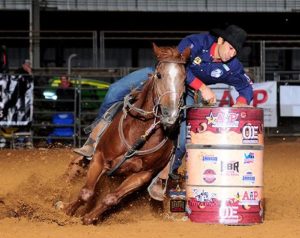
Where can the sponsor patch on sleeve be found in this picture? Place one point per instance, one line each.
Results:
(216, 73)
(226, 67)
(197, 60)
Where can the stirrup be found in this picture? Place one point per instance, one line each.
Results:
(157, 191)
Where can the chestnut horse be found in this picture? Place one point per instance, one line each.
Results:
(139, 142)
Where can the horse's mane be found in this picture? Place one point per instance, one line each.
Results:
(135, 93)
(168, 53)
(165, 53)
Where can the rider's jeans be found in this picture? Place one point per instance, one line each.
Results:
(118, 90)
(181, 149)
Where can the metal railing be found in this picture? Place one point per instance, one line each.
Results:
(158, 5)
(86, 100)
(61, 114)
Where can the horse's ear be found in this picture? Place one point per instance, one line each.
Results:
(156, 49)
(186, 54)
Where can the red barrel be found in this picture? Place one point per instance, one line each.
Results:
(224, 163)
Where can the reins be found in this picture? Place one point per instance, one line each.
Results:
(144, 138)
(139, 143)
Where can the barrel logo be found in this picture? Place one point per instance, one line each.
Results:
(223, 120)
(249, 177)
(210, 159)
(209, 176)
(249, 198)
(250, 134)
(230, 168)
(248, 158)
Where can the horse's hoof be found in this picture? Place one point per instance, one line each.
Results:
(69, 210)
(59, 205)
(89, 221)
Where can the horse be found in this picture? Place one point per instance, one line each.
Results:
(139, 142)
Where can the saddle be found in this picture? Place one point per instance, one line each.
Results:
(107, 117)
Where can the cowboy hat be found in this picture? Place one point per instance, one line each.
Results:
(233, 34)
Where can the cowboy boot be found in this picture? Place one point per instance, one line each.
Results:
(157, 189)
(158, 186)
(88, 148)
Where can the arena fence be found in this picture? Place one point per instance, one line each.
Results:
(60, 115)
(88, 98)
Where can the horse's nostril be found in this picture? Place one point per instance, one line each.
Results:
(168, 116)
(165, 112)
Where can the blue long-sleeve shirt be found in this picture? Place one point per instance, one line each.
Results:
(202, 69)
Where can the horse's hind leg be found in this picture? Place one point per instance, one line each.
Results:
(87, 191)
(129, 185)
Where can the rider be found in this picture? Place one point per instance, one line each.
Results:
(213, 60)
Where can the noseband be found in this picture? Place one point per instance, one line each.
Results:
(156, 77)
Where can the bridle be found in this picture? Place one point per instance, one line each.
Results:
(160, 95)
(128, 106)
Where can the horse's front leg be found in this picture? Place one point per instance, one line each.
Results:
(129, 185)
(95, 171)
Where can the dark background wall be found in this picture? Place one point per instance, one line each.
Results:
(126, 53)
(254, 23)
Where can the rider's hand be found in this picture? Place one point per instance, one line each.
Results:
(208, 95)
(239, 104)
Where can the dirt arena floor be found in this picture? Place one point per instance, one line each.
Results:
(33, 181)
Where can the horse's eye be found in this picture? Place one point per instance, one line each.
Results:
(158, 75)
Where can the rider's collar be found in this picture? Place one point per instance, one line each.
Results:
(212, 52)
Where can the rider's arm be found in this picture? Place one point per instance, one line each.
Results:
(194, 82)
(242, 84)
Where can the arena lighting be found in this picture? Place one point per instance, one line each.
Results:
(50, 95)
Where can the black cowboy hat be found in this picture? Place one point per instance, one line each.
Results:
(233, 34)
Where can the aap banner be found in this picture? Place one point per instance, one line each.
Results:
(16, 100)
(265, 96)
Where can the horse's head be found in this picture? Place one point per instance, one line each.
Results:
(169, 79)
